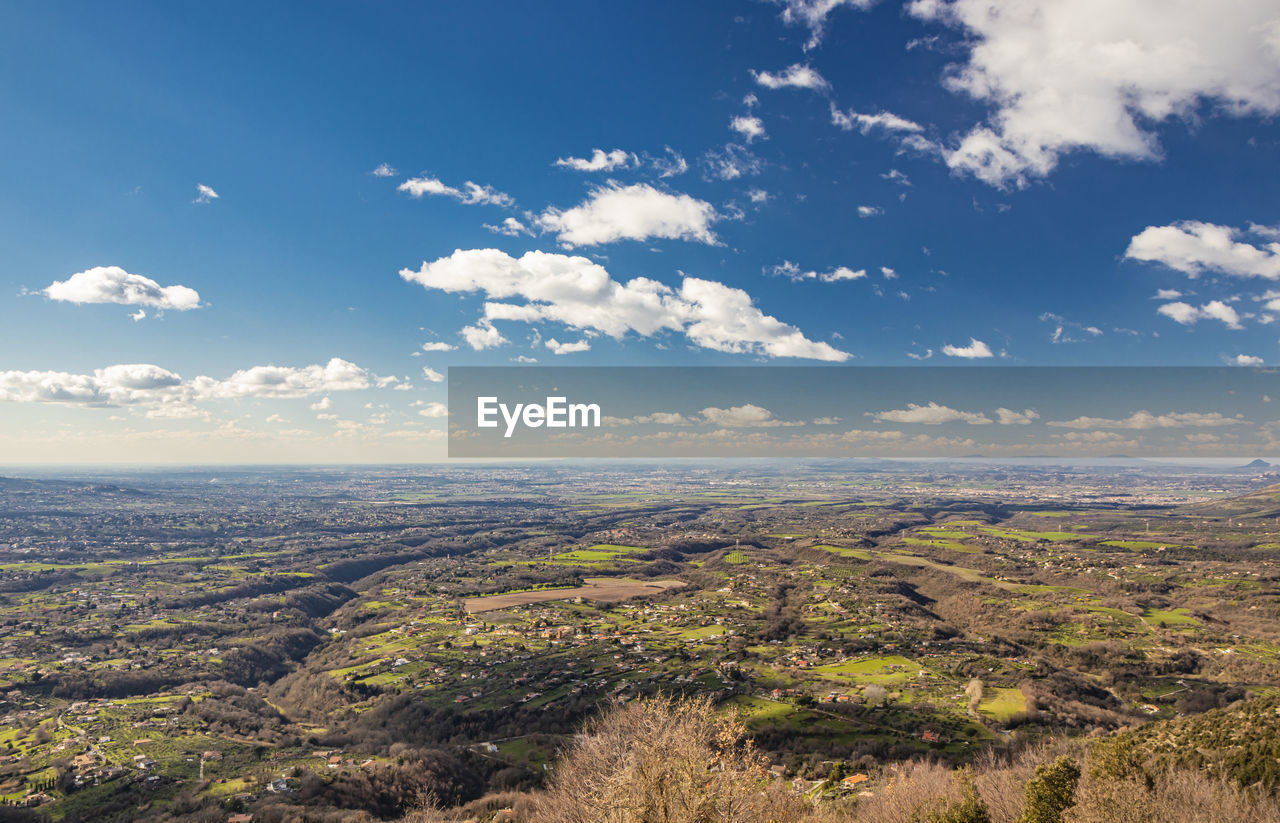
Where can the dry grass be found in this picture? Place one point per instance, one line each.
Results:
(681, 761)
(667, 761)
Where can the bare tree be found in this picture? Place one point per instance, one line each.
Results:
(667, 761)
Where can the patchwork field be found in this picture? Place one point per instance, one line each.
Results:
(599, 589)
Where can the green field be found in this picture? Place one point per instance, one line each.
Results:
(1176, 618)
(1002, 703)
(887, 670)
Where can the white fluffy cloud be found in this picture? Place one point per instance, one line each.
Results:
(204, 194)
(600, 160)
(285, 381)
(510, 226)
(798, 76)
(866, 123)
(581, 294)
(568, 348)
(1188, 315)
(124, 384)
(842, 273)
(932, 414)
(434, 409)
(165, 394)
(870, 211)
(1146, 420)
(470, 193)
(745, 416)
(1062, 75)
(751, 128)
(1192, 247)
(112, 284)
(672, 164)
(431, 375)
(813, 14)
(660, 418)
(976, 349)
(730, 163)
(483, 335)
(1012, 417)
(792, 271)
(438, 346)
(1247, 360)
(383, 170)
(636, 212)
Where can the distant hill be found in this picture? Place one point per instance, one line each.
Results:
(1265, 502)
(1256, 464)
(19, 486)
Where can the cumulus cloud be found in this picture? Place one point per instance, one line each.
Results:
(1146, 420)
(600, 160)
(204, 194)
(637, 212)
(431, 375)
(798, 76)
(568, 348)
(896, 176)
(869, 211)
(383, 170)
(660, 418)
(932, 414)
(285, 381)
(976, 349)
(842, 273)
(745, 416)
(164, 393)
(471, 193)
(672, 164)
(731, 163)
(1192, 248)
(1011, 417)
(866, 123)
(125, 384)
(751, 128)
(813, 14)
(112, 284)
(1064, 75)
(580, 294)
(434, 409)
(483, 335)
(323, 404)
(1188, 315)
(510, 226)
(1247, 360)
(438, 346)
(793, 272)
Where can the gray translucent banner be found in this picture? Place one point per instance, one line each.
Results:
(917, 412)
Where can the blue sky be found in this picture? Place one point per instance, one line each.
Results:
(1030, 180)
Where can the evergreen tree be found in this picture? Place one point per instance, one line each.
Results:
(1051, 792)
